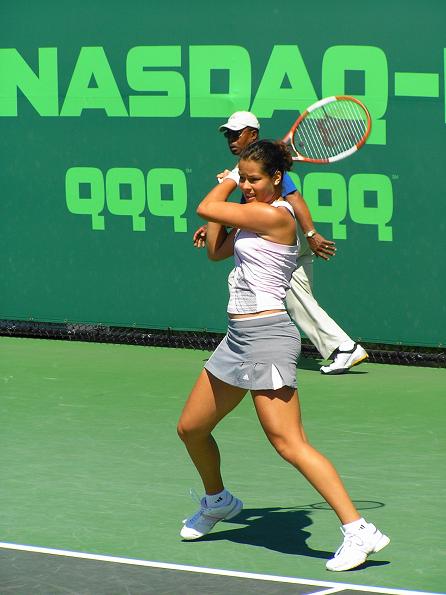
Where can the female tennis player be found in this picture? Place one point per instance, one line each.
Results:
(260, 350)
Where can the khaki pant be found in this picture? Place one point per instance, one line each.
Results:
(306, 313)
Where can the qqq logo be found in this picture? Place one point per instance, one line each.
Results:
(127, 192)
(366, 198)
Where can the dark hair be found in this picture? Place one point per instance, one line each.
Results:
(272, 155)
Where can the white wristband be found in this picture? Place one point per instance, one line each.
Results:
(233, 175)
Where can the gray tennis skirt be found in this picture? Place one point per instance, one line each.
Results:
(258, 353)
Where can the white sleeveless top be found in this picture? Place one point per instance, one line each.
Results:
(262, 271)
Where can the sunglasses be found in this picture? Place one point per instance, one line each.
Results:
(233, 134)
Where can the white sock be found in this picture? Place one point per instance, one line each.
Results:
(346, 345)
(220, 499)
(355, 526)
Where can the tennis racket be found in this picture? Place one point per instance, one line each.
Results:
(329, 130)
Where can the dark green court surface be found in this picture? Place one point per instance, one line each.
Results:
(90, 462)
(41, 573)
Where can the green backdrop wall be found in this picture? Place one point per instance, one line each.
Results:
(109, 117)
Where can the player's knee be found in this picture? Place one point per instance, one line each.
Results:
(286, 448)
(281, 445)
(189, 432)
(182, 431)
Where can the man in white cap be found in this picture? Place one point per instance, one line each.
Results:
(242, 129)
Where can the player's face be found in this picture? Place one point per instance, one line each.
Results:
(239, 139)
(256, 184)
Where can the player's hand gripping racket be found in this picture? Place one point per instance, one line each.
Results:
(329, 130)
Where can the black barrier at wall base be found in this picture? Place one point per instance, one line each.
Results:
(378, 353)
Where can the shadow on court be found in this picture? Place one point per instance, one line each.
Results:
(278, 529)
(369, 564)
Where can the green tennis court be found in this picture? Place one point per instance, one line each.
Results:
(91, 466)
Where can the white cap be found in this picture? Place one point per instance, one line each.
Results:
(240, 120)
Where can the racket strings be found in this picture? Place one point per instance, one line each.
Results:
(331, 129)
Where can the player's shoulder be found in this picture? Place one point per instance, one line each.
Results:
(281, 206)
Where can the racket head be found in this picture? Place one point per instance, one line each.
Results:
(331, 129)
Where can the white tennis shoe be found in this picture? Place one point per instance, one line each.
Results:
(344, 360)
(204, 520)
(356, 547)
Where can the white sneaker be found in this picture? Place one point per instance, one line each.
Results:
(204, 520)
(344, 360)
(356, 547)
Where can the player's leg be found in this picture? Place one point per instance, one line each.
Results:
(279, 415)
(209, 402)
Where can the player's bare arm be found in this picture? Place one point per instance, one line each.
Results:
(219, 241)
(257, 217)
(199, 238)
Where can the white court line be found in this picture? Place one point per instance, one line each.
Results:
(327, 591)
(332, 587)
